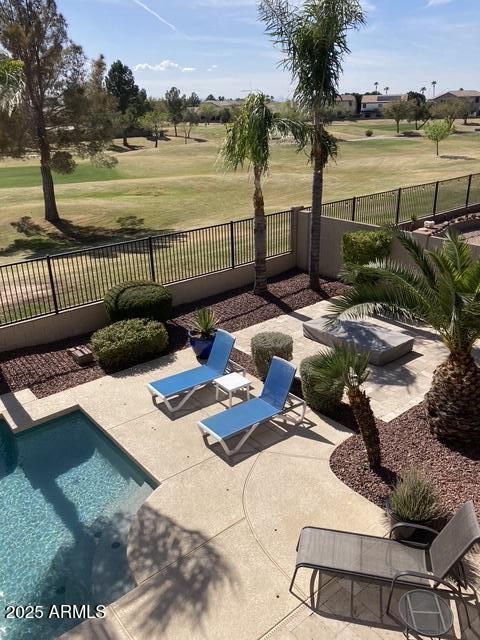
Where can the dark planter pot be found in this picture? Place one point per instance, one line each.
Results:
(201, 346)
(406, 533)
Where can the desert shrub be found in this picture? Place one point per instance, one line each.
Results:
(412, 134)
(414, 499)
(316, 400)
(130, 222)
(362, 247)
(265, 346)
(129, 342)
(369, 133)
(142, 299)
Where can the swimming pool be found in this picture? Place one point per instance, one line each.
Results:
(67, 496)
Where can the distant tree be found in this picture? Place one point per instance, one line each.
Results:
(423, 91)
(398, 111)
(190, 119)
(155, 122)
(248, 141)
(438, 131)
(131, 101)
(208, 112)
(434, 86)
(210, 97)
(193, 100)
(420, 110)
(376, 87)
(175, 105)
(120, 83)
(464, 110)
(221, 98)
(358, 98)
(58, 115)
(449, 110)
(386, 89)
(225, 115)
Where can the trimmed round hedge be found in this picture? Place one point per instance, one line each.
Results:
(129, 342)
(265, 346)
(142, 299)
(315, 400)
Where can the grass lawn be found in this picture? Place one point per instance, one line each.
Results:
(179, 186)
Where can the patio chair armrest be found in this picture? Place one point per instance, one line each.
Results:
(417, 527)
(234, 367)
(424, 576)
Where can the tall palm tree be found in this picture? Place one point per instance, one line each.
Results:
(248, 141)
(376, 86)
(423, 90)
(386, 89)
(343, 365)
(434, 85)
(441, 290)
(313, 38)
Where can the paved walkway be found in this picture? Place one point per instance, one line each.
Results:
(212, 549)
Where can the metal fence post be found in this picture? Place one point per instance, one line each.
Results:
(152, 259)
(469, 187)
(52, 284)
(435, 199)
(399, 204)
(354, 207)
(232, 243)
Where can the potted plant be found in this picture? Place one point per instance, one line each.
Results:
(414, 500)
(202, 334)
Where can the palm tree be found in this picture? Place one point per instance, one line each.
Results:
(248, 140)
(386, 89)
(313, 37)
(423, 90)
(434, 84)
(375, 84)
(442, 290)
(343, 365)
(11, 84)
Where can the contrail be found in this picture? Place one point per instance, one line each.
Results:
(154, 13)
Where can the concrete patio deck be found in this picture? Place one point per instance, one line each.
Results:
(213, 548)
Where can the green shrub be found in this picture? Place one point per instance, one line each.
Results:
(265, 346)
(142, 299)
(362, 247)
(315, 400)
(414, 499)
(369, 133)
(412, 134)
(129, 342)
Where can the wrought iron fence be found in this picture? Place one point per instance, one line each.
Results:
(34, 288)
(408, 203)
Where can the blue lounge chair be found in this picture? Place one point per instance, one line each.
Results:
(275, 401)
(183, 385)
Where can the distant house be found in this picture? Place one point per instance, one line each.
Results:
(372, 106)
(220, 106)
(347, 104)
(471, 96)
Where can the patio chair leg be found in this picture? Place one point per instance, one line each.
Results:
(182, 402)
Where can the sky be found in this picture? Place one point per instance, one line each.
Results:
(219, 46)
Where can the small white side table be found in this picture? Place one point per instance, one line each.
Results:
(231, 383)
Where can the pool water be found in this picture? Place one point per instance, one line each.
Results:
(67, 497)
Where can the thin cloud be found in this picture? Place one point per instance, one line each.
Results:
(165, 65)
(155, 14)
(212, 68)
(436, 3)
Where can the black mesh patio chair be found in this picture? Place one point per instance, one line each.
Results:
(428, 565)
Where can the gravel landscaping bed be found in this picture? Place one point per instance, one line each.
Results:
(407, 442)
(48, 369)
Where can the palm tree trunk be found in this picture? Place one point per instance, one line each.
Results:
(317, 197)
(453, 402)
(360, 404)
(260, 286)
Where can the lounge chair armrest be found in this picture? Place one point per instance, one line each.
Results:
(417, 527)
(234, 367)
(424, 576)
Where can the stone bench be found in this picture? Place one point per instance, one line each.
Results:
(384, 345)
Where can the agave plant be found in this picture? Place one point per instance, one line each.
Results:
(205, 322)
(343, 365)
(442, 290)
(415, 499)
